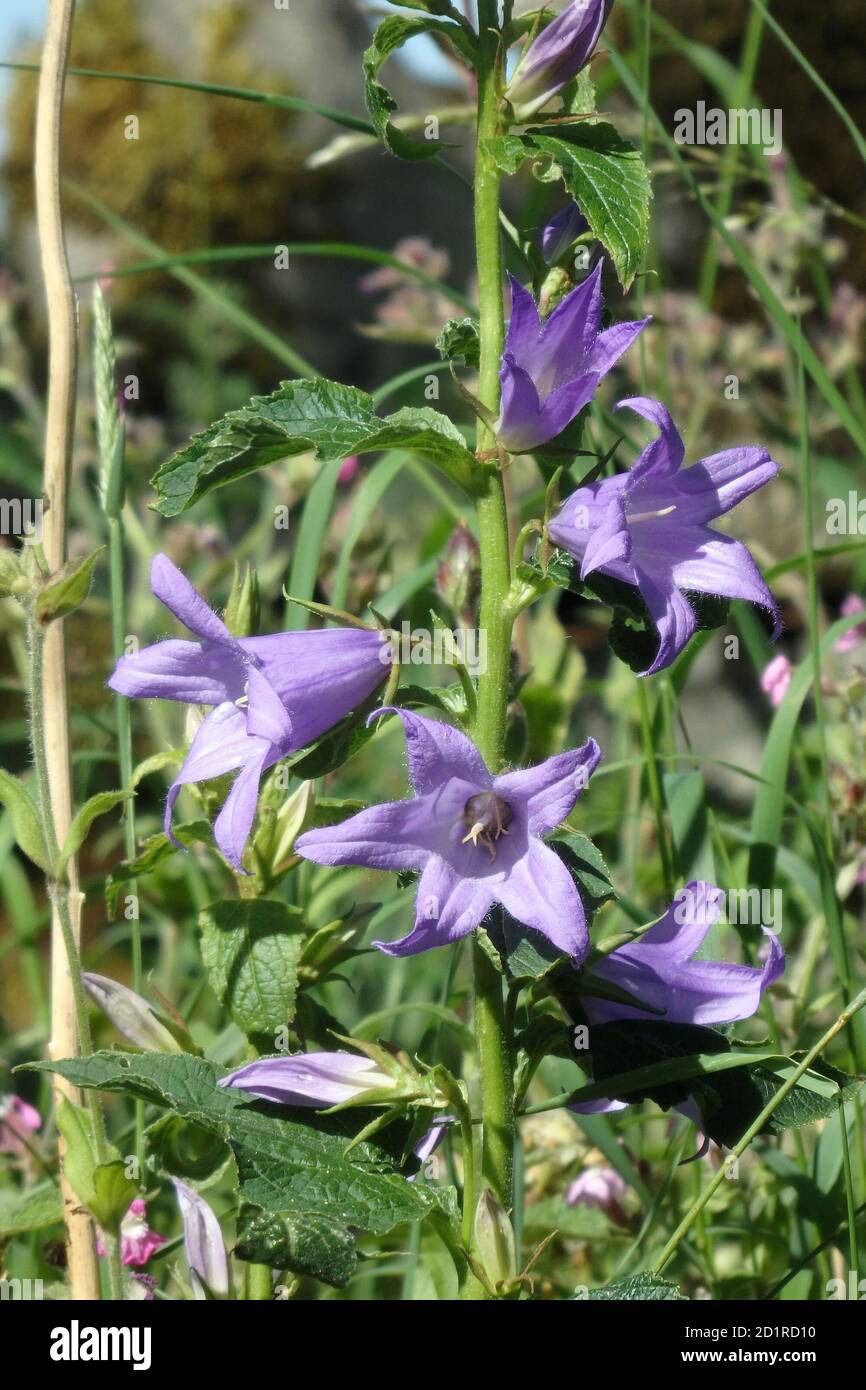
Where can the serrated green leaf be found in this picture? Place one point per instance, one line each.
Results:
(288, 1161)
(640, 1286)
(66, 590)
(251, 949)
(459, 341)
(307, 1244)
(31, 1210)
(98, 805)
(604, 174)
(26, 823)
(300, 417)
(392, 34)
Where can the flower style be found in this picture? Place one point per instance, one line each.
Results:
(550, 368)
(270, 695)
(648, 527)
(557, 54)
(476, 839)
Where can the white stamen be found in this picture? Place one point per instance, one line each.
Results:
(650, 516)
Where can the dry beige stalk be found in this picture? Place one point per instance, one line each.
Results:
(63, 351)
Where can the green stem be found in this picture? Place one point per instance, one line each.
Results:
(494, 1047)
(258, 1285)
(124, 760)
(655, 785)
(59, 899)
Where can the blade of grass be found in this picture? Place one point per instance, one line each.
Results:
(338, 250)
(218, 89)
(308, 547)
(364, 503)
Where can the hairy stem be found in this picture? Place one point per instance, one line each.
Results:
(494, 1047)
(62, 338)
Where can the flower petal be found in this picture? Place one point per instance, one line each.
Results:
(540, 892)
(448, 907)
(437, 752)
(233, 824)
(612, 343)
(569, 334)
(320, 676)
(309, 1079)
(174, 590)
(609, 544)
(394, 835)
(267, 717)
(203, 1242)
(663, 456)
(549, 791)
(518, 427)
(717, 564)
(179, 670)
(220, 745)
(659, 970)
(672, 614)
(714, 485)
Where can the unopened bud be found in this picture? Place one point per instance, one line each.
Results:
(494, 1240)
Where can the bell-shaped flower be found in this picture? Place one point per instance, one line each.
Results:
(551, 367)
(315, 1080)
(203, 1243)
(270, 695)
(476, 838)
(648, 527)
(557, 54)
(659, 969)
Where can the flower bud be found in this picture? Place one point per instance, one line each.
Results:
(494, 1240)
(243, 608)
(557, 54)
(131, 1015)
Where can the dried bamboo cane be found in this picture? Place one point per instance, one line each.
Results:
(63, 350)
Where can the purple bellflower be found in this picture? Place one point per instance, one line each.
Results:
(270, 695)
(560, 231)
(659, 969)
(203, 1243)
(309, 1079)
(648, 527)
(477, 839)
(557, 54)
(550, 369)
